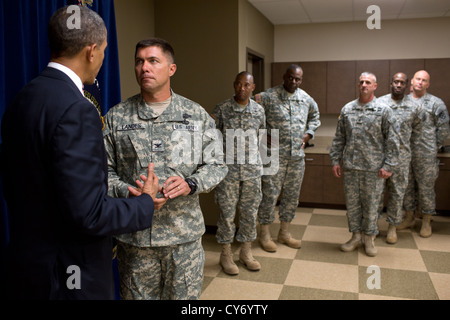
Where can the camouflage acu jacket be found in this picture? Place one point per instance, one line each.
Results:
(292, 116)
(367, 137)
(183, 142)
(434, 129)
(241, 137)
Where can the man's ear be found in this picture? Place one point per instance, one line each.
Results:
(172, 69)
(90, 52)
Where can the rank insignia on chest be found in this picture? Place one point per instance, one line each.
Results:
(157, 145)
(185, 117)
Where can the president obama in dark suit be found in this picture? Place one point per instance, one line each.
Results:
(54, 172)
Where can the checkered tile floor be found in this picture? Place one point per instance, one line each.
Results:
(413, 268)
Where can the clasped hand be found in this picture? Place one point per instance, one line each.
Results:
(173, 187)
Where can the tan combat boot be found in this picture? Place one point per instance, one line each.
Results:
(369, 245)
(391, 234)
(353, 243)
(226, 260)
(425, 231)
(408, 221)
(246, 257)
(285, 237)
(265, 239)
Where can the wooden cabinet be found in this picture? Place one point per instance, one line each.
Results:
(312, 186)
(341, 85)
(333, 188)
(320, 187)
(334, 83)
(439, 70)
(442, 185)
(314, 79)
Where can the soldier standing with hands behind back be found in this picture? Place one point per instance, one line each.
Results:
(408, 117)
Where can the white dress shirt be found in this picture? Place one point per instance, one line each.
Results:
(72, 75)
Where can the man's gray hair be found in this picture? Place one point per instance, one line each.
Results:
(368, 74)
(67, 42)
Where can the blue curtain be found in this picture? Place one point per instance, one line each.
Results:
(24, 53)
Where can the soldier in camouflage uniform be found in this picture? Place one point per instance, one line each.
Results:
(295, 115)
(408, 117)
(240, 120)
(165, 261)
(425, 144)
(367, 144)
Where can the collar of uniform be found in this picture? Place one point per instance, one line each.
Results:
(145, 112)
(286, 96)
(237, 108)
(371, 105)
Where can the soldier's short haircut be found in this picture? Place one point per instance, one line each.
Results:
(368, 74)
(294, 67)
(242, 73)
(67, 42)
(157, 42)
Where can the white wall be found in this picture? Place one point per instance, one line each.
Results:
(397, 39)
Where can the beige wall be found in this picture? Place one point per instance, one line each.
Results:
(255, 33)
(397, 39)
(134, 22)
(204, 35)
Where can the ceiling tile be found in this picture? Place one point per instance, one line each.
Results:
(328, 11)
(282, 11)
(389, 9)
(319, 11)
(425, 9)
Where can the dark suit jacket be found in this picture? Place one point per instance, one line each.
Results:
(54, 172)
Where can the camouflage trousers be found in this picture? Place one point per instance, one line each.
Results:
(244, 196)
(396, 188)
(362, 197)
(287, 181)
(420, 189)
(410, 198)
(161, 273)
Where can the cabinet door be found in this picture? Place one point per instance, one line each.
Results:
(442, 185)
(439, 69)
(333, 188)
(314, 80)
(341, 85)
(311, 191)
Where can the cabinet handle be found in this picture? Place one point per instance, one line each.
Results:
(309, 159)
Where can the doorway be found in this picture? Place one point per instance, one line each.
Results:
(255, 65)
